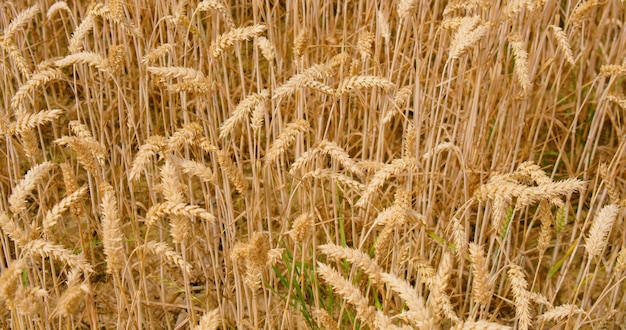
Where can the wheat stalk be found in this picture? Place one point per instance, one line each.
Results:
(228, 39)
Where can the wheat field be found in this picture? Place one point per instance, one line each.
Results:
(313, 164)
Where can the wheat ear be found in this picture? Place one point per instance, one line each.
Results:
(561, 312)
(348, 291)
(396, 167)
(580, 12)
(186, 135)
(563, 43)
(57, 7)
(521, 66)
(210, 321)
(405, 7)
(232, 172)
(35, 81)
(53, 216)
(47, 249)
(480, 325)
(89, 58)
(360, 82)
(355, 257)
(19, 194)
(521, 296)
(27, 121)
(112, 236)
(228, 39)
(481, 286)
(242, 111)
(324, 319)
(439, 301)
(470, 31)
(146, 152)
(267, 48)
(285, 139)
(178, 209)
(9, 280)
(219, 7)
(302, 227)
(418, 313)
(163, 250)
(19, 21)
(600, 229)
(322, 173)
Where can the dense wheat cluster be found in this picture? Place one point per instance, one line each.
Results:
(313, 164)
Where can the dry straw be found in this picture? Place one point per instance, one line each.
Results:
(228, 39)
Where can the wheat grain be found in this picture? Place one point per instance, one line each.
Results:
(364, 45)
(267, 48)
(183, 136)
(300, 43)
(112, 236)
(418, 313)
(232, 172)
(228, 39)
(521, 296)
(17, 199)
(405, 7)
(581, 12)
(322, 173)
(324, 319)
(480, 325)
(9, 279)
(27, 121)
(600, 229)
(53, 215)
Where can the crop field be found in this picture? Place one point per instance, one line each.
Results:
(315, 164)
